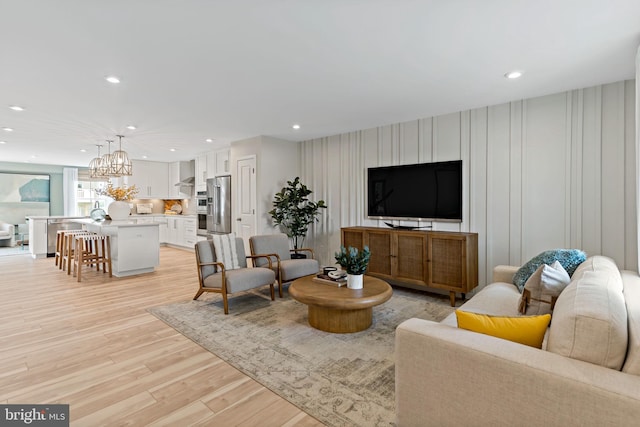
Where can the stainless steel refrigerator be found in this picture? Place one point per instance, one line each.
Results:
(219, 205)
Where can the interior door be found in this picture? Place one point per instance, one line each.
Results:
(246, 221)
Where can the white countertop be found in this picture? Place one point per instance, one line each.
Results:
(35, 217)
(110, 223)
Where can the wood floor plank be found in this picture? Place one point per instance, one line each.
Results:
(95, 346)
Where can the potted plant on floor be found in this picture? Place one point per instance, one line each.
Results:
(294, 212)
(355, 263)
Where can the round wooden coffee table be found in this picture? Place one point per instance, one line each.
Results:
(340, 310)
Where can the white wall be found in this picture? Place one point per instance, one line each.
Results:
(541, 173)
(277, 161)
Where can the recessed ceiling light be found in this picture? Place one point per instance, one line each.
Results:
(34, 156)
(82, 150)
(131, 127)
(208, 140)
(144, 157)
(296, 126)
(3, 142)
(513, 74)
(112, 79)
(7, 129)
(16, 108)
(172, 149)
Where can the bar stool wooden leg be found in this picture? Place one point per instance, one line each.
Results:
(108, 255)
(77, 258)
(92, 249)
(59, 246)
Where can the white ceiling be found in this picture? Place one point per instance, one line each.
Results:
(233, 69)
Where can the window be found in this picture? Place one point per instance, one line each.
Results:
(86, 197)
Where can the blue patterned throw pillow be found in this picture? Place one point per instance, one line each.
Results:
(570, 259)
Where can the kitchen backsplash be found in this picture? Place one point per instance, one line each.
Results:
(159, 205)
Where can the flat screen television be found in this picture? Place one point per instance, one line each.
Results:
(422, 192)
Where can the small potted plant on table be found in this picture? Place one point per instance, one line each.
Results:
(355, 263)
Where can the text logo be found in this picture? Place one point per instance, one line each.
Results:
(34, 415)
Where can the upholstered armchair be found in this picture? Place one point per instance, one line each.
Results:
(7, 234)
(276, 246)
(215, 276)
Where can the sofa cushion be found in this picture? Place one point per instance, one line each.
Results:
(527, 330)
(569, 258)
(497, 299)
(590, 316)
(542, 289)
(631, 283)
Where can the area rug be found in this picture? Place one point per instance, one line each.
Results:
(340, 379)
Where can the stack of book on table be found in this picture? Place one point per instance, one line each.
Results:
(328, 280)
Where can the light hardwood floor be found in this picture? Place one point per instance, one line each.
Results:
(94, 346)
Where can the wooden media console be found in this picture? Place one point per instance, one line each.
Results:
(419, 259)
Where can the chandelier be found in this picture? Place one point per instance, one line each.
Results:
(114, 164)
(95, 166)
(120, 163)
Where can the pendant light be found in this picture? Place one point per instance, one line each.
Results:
(95, 165)
(105, 164)
(120, 163)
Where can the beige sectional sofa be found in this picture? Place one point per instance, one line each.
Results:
(586, 374)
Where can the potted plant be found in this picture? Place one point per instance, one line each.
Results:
(294, 212)
(119, 209)
(355, 263)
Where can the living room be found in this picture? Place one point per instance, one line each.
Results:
(550, 166)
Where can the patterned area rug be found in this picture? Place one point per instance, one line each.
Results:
(340, 379)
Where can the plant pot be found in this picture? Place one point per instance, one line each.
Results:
(355, 281)
(119, 210)
(298, 256)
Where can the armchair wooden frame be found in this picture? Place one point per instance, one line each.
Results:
(223, 287)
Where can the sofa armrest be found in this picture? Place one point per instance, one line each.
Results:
(450, 376)
(504, 273)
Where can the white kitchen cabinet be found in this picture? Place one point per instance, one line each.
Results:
(201, 172)
(189, 237)
(217, 163)
(38, 237)
(211, 164)
(181, 231)
(222, 162)
(174, 231)
(180, 172)
(151, 179)
(161, 220)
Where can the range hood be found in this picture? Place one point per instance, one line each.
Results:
(187, 182)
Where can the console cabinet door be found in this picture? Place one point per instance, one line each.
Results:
(449, 255)
(353, 237)
(409, 257)
(381, 244)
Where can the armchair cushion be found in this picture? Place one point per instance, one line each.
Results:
(270, 244)
(295, 268)
(241, 279)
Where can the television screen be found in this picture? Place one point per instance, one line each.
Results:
(423, 191)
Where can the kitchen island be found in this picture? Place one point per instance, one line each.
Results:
(134, 244)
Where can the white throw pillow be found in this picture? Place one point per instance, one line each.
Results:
(225, 247)
(543, 288)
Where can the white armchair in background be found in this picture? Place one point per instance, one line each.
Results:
(7, 234)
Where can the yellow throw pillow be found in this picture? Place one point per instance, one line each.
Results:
(527, 330)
